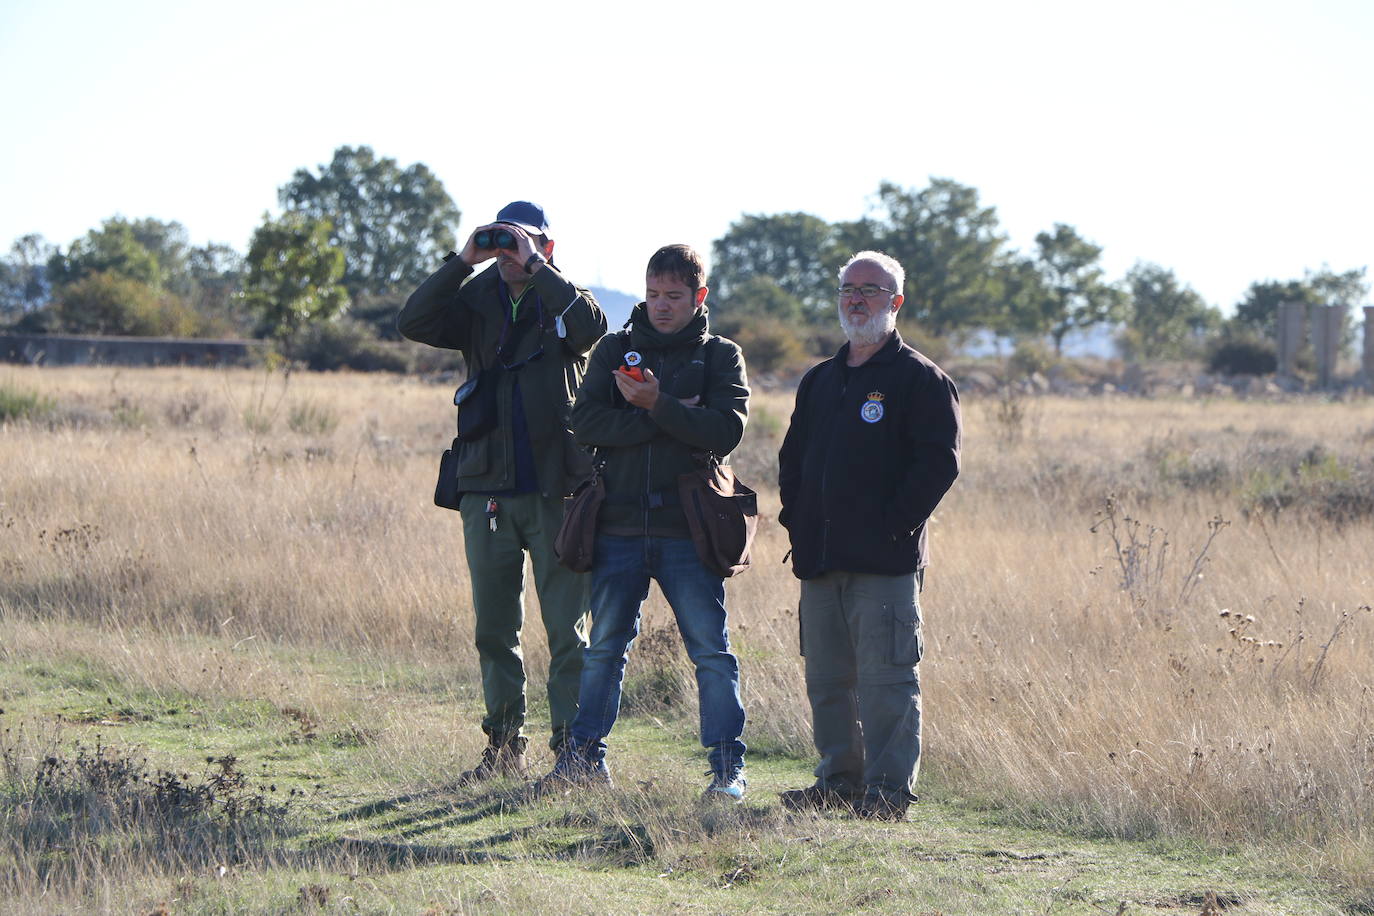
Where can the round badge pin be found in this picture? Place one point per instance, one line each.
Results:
(632, 358)
(872, 411)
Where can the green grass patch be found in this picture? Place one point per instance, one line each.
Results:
(310, 419)
(18, 403)
(352, 809)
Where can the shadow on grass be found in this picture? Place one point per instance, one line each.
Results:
(441, 809)
(621, 830)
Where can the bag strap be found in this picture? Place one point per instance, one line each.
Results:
(705, 370)
(702, 457)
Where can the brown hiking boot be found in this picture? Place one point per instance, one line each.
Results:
(818, 798)
(504, 757)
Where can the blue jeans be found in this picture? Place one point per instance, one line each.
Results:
(620, 583)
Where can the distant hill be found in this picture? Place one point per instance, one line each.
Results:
(615, 304)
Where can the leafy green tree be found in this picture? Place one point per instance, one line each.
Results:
(951, 247)
(113, 248)
(1348, 288)
(160, 256)
(1166, 320)
(216, 275)
(294, 274)
(1024, 302)
(760, 296)
(24, 283)
(1076, 295)
(1260, 308)
(795, 251)
(170, 244)
(769, 343)
(392, 224)
(108, 302)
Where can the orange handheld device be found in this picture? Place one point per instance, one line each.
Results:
(633, 372)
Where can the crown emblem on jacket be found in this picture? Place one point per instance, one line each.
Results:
(875, 395)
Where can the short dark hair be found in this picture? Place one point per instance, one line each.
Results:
(680, 262)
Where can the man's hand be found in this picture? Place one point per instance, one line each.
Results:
(524, 246)
(471, 255)
(644, 394)
(641, 394)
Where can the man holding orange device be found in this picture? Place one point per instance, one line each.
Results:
(654, 396)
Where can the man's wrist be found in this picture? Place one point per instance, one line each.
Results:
(534, 262)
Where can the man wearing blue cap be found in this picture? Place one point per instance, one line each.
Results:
(525, 333)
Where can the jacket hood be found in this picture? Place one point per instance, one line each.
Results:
(644, 336)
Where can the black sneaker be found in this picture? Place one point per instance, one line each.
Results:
(818, 798)
(572, 770)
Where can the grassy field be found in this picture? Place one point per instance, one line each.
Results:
(236, 671)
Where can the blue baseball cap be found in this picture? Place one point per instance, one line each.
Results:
(526, 215)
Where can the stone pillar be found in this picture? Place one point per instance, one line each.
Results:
(1319, 352)
(1327, 324)
(1291, 320)
(1368, 361)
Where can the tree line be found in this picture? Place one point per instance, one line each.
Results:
(963, 277)
(359, 232)
(323, 279)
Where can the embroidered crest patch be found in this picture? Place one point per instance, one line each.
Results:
(632, 358)
(872, 411)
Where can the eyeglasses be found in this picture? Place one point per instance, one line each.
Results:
(868, 291)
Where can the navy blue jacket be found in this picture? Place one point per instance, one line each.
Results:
(870, 452)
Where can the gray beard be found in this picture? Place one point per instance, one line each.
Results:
(873, 331)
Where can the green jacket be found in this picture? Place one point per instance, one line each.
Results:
(646, 450)
(469, 316)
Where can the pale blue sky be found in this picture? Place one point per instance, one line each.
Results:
(1229, 141)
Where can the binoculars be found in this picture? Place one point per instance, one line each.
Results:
(494, 238)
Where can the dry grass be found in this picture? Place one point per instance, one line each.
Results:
(149, 505)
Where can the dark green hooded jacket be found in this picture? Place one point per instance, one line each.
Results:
(646, 450)
(469, 316)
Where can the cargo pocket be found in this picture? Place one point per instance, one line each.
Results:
(474, 456)
(907, 644)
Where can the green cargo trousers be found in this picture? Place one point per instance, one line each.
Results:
(496, 566)
(861, 638)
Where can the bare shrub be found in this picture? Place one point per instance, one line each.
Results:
(68, 816)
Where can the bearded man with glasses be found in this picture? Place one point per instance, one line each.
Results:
(525, 332)
(873, 446)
